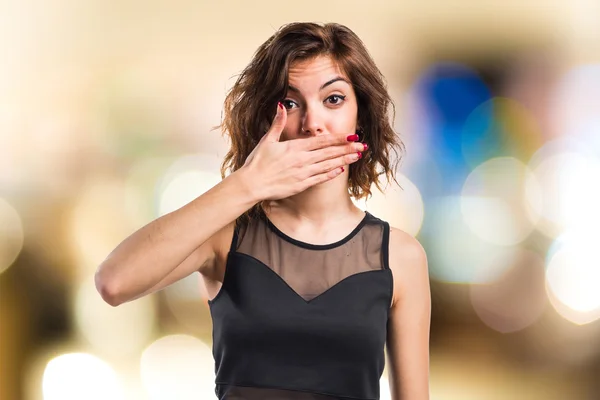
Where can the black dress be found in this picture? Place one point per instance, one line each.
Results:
(300, 321)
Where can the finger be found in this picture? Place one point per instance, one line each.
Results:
(331, 164)
(274, 133)
(327, 153)
(321, 141)
(323, 177)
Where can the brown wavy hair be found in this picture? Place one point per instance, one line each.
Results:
(250, 105)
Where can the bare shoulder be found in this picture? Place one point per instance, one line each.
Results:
(405, 248)
(408, 263)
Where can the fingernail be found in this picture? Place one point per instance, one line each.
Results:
(359, 154)
(352, 138)
(366, 146)
(280, 105)
(343, 169)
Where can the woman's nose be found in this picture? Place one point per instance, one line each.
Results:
(313, 123)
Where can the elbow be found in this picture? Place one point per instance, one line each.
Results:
(107, 288)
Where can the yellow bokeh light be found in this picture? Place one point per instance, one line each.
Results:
(178, 367)
(573, 276)
(13, 167)
(140, 201)
(402, 207)
(581, 193)
(384, 389)
(570, 195)
(11, 235)
(117, 332)
(99, 222)
(188, 178)
(187, 301)
(470, 372)
(513, 124)
(79, 376)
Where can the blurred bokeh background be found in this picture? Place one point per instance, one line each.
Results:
(106, 110)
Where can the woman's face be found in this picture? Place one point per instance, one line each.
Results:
(320, 100)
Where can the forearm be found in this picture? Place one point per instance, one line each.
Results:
(151, 253)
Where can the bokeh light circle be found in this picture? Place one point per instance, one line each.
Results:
(493, 201)
(178, 367)
(77, 376)
(569, 192)
(118, 332)
(187, 300)
(98, 222)
(401, 206)
(188, 178)
(573, 277)
(458, 255)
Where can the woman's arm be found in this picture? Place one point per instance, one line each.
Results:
(174, 245)
(186, 240)
(410, 315)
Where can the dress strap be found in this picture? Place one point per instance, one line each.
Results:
(234, 239)
(385, 245)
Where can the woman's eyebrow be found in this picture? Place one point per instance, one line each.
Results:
(323, 86)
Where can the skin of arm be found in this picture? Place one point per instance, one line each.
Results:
(175, 245)
(410, 316)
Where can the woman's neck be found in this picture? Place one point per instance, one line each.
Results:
(319, 205)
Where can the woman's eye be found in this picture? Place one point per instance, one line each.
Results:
(335, 99)
(288, 104)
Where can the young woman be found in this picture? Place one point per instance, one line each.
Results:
(305, 289)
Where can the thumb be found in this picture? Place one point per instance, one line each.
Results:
(274, 133)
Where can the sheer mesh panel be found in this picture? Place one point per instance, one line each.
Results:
(310, 270)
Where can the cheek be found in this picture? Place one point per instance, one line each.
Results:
(286, 136)
(344, 121)
(292, 127)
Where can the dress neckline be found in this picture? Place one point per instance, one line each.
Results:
(312, 246)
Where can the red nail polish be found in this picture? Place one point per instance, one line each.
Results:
(343, 169)
(366, 146)
(352, 138)
(280, 105)
(359, 154)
